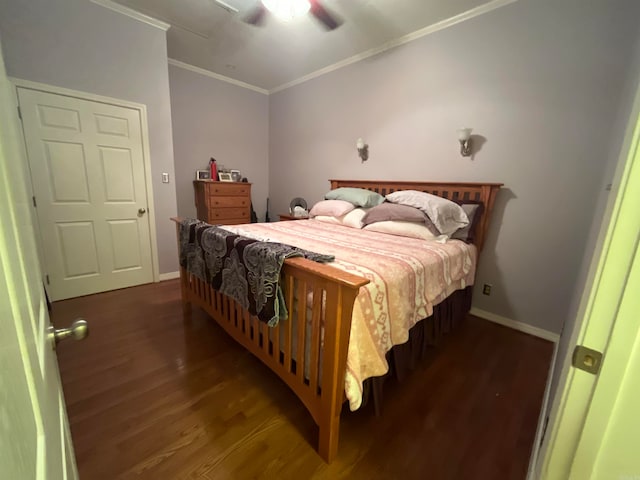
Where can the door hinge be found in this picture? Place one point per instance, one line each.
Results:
(34, 202)
(586, 359)
(47, 278)
(19, 113)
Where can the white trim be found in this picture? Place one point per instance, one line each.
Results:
(217, 76)
(129, 12)
(42, 87)
(542, 418)
(523, 327)
(469, 14)
(168, 276)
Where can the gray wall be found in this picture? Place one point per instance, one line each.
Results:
(82, 46)
(541, 80)
(625, 123)
(212, 118)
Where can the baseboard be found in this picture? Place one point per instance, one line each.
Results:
(542, 419)
(168, 276)
(522, 327)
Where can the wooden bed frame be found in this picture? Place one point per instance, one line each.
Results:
(323, 395)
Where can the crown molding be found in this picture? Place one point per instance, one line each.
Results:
(469, 14)
(129, 12)
(217, 76)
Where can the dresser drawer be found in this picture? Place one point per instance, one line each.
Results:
(228, 221)
(222, 188)
(222, 202)
(225, 213)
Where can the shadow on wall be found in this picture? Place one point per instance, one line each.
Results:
(478, 142)
(488, 263)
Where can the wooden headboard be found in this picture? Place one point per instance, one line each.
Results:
(481, 192)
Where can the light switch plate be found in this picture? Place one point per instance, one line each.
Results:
(165, 178)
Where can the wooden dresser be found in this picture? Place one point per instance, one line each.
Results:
(227, 203)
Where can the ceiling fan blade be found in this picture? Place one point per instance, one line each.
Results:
(257, 15)
(331, 22)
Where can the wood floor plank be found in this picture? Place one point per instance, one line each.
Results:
(152, 396)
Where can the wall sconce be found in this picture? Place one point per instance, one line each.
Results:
(363, 150)
(464, 137)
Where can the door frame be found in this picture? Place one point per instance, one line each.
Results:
(144, 128)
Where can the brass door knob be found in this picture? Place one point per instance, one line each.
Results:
(142, 211)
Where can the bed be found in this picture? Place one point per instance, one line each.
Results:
(312, 352)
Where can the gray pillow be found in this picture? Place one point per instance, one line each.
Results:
(446, 215)
(468, 232)
(358, 196)
(392, 211)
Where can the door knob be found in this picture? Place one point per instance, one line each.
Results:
(79, 329)
(142, 211)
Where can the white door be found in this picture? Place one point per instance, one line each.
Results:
(34, 432)
(88, 176)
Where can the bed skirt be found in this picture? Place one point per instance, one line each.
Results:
(424, 335)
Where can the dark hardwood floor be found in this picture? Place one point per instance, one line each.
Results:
(150, 396)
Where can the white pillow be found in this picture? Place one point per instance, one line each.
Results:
(331, 208)
(404, 229)
(354, 218)
(446, 215)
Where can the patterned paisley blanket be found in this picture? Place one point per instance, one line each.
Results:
(242, 268)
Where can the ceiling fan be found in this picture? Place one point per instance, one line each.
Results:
(287, 10)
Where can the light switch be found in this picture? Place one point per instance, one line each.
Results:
(165, 178)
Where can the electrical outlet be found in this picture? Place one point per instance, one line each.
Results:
(165, 178)
(486, 289)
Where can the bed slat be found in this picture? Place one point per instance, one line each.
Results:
(315, 337)
(289, 283)
(301, 324)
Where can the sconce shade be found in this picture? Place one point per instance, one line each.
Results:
(360, 144)
(464, 134)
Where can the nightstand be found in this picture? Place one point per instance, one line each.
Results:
(286, 216)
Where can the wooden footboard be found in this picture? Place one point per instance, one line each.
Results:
(314, 369)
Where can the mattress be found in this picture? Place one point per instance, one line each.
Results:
(408, 277)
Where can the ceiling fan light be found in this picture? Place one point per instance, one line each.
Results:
(287, 9)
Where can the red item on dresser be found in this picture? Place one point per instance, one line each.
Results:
(214, 169)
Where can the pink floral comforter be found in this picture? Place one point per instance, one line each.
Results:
(407, 278)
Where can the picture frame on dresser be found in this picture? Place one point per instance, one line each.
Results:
(225, 177)
(203, 175)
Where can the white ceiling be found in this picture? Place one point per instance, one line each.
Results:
(205, 35)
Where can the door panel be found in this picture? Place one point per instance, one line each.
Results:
(109, 125)
(67, 169)
(124, 237)
(117, 172)
(55, 117)
(88, 175)
(78, 249)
